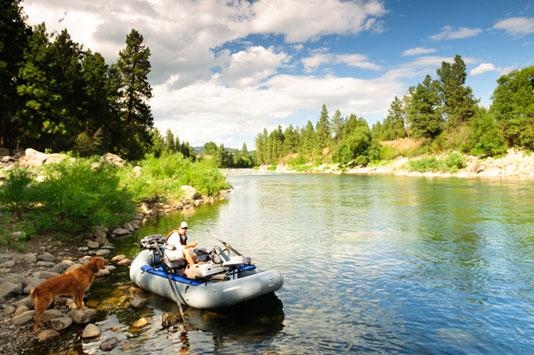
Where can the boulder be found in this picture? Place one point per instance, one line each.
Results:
(120, 231)
(125, 261)
(103, 272)
(62, 266)
(73, 266)
(10, 289)
(45, 275)
(9, 310)
(190, 193)
(8, 264)
(103, 252)
(47, 334)
(80, 316)
(128, 227)
(92, 244)
(46, 257)
(109, 344)
(478, 168)
(32, 282)
(33, 158)
(91, 331)
(29, 258)
(20, 310)
(26, 301)
(50, 314)
(118, 258)
(45, 263)
(23, 318)
(14, 278)
(55, 158)
(112, 158)
(61, 323)
(145, 210)
(137, 171)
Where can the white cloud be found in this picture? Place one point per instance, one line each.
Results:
(418, 51)
(448, 32)
(486, 67)
(250, 67)
(516, 25)
(354, 60)
(482, 68)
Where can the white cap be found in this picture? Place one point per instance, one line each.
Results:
(183, 225)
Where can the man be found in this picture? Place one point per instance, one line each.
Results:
(176, 247)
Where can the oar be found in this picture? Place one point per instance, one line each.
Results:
(174, 288)
(224, 243)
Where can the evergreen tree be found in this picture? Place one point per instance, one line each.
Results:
(307, 138)
(513, 107)
(337, 126)
(13, 42)
(210, 148)
(396, 117)
(169, 141)
(158, 143)
(424, 110)
(134, 67)
(458, 102)
(323, 130)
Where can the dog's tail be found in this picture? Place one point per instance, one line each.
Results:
(32, 293)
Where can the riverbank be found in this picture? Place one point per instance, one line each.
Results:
(515, 163)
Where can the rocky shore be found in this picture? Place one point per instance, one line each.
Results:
(514, 164)
(45, 257)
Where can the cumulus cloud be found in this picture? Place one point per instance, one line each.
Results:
(354, 60)
(448, 32)
(516, 25)
(487, 67)
(418, 51)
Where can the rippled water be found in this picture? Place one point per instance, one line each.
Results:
(371, 264)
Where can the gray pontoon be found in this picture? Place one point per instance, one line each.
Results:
(222, 281)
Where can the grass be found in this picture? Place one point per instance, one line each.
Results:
(452, 163)
(80, 194)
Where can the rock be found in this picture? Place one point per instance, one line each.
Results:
(62, 266)
(140, 323)
(4, 152)
(190, 193)
(169, 319)
(45, 263)
(118, 258)
(128, 227)
(9, 310)
(50, 314)
(478, 168)
(83, 248)
(138, 303)
(92, 244)
(124, 262)
(55, 158)
(29, 258)
(73, 266)
(45, 274)
(8, 264)
(135, 225)
(47, 334)
(110, 267)
(82, 316)
(32, 282)
(13, 278)
(91, 331)
(61, 323)
(145, 210)
(109, 344)
(23, 318)
(20, 310)
(120, 231)
(33, 158)
(137, 171)
(103, 272)
(46, 257)
(10, 289)
(40, 178)
(103, 252)
(27, 301)
(112, 158)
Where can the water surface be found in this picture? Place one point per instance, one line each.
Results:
(371, 264)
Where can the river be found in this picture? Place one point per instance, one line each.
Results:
(386, 264)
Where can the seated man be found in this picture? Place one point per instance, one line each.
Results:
(175, 248)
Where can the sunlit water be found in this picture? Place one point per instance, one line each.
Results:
(371, 264)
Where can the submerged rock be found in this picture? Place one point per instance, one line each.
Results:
(91, 331)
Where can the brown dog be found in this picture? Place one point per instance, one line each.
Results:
(72, 283)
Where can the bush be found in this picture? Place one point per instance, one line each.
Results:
(15, 192)
(77, 196)
(452, 163)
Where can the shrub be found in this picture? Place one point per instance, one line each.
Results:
(452, 163)
(15, 192)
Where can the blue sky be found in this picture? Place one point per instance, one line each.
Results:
(224, 70)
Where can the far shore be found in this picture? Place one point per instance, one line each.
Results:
(515, 163)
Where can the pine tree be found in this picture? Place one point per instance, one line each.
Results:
(323, 130)
(134, 67)
(424, 111)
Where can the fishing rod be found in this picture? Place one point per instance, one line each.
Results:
(174, 288)
(226, 245)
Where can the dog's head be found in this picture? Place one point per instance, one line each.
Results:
(98, 263)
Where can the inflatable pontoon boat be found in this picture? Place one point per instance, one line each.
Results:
(223, 279)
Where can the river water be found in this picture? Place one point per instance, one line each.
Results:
(382, 264)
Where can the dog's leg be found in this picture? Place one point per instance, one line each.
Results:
(78, 299)
(41, 303)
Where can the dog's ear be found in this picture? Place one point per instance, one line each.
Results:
(99, 262)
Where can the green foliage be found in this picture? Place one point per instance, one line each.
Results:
(452, 163)
(388, 153)
(424, 112)
(272, 167)
(16, 192)
(298, 160)
(486, 139)
(77, 195)
(355, 148)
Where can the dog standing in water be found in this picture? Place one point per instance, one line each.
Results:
(72, 283)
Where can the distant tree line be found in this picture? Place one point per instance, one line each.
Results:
(57, 96)
(441, 112)
(227, 158)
